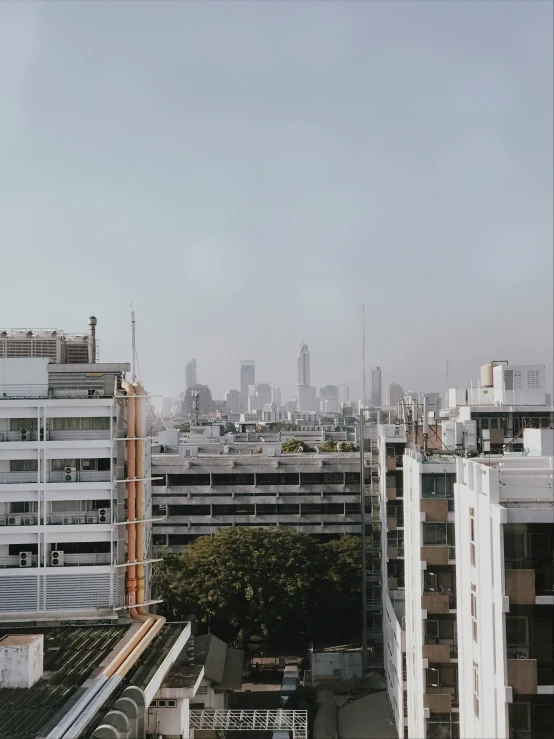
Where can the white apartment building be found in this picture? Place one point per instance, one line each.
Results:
(505, 556)
(63, 484)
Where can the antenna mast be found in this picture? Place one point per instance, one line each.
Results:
(363, 356)
(133, 343)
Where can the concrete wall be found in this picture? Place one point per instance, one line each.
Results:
(21, 660)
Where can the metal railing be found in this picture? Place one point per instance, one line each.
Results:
(93, 435)
(70, 560)
(78, 518)
(9, 478)
(79, 476)
(30, 435)
(444, 592)
(20, 519)
(12, 392)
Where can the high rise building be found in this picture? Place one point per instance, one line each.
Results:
(344, 394)
(232, 400)
(376, 394)
(247, 378)
(329, 399)
(307, 396)
(204, 396)
(190, 372)
(276, 397)
(263, 392)
(303, 365)
(393, 394)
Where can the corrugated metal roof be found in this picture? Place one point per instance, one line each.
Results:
(71, 654)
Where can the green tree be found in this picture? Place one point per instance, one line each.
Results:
(292, 446)
(338, 446)
(344, 571)
(246, 582)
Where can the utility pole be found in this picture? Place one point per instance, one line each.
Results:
(195, 406)
(363, 544)
(363, 355)
(133, 342)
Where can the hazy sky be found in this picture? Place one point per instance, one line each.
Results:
(248, 173)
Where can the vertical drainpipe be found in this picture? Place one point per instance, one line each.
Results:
(131, 497)
(139, 493)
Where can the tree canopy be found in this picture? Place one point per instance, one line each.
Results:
(338, 446)
(279, 585)
(292, 446)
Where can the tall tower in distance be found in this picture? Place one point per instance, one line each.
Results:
(247, 378)
(190, 373)
(376, 393)
(303, 364)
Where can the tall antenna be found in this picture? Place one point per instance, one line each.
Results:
(133, 342)
(363, 356)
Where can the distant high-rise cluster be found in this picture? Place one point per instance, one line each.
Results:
(307, 399)
(247, 378)
(393, 394)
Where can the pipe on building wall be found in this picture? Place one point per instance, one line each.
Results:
(131, 498)
(139, 455)
(92, 339)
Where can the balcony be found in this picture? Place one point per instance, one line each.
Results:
(522, 675)
(435, 510)
(11, 478)
(19, 435)
(520, 586)
(79, 518)
(391, 523)
(437, 603)
(70, 560)
(440, 701)
(79, 476)
(19, 519)
(92, 435)
(391, 493)
(435, 555)
(435, 652)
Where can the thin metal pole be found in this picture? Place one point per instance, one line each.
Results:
(363, 546)
(363, 356)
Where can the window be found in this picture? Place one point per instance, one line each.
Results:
(438, 534)
(323, 478)
(352, 478)
(472, 534)
(226, 479)
(517, 382)
(267, 509)
(17, 424)
(23, 465)
(277, 478)
(516, 631)
(288, 509)
(438, 486)
(514, 545)
(188, 510)
(351, 508)
(474, 610)
(533, 379)
(160, 540)
(184, 480)
(101, 423)
(180, 539)
(202, 690)
(520, 718)
(24, 507)
(476, 689)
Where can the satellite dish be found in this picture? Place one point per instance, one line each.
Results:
(300, 448)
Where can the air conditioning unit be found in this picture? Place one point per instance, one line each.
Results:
(25, 559)
(104, 515)
(14, 520)
(80, 519)
(92, 519)
(271, 452)
(29, 521)
(70, 474)
(56, 558)
(25, 435)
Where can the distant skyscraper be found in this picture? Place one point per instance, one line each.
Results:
(205, 403)
(303, 365)
(393, 394)
(329, 399)
(376, 394)
(344, 394)
(190, 373)
(276, 396)
(232, 399)
(263, 393)
(307, 397)
(247, 377)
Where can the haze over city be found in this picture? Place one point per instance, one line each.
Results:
(247, 175)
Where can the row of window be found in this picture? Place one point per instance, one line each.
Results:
(31, 465)
(438, 534)
(260, 509)
(63, 424)
(263, 478)
(60, 506)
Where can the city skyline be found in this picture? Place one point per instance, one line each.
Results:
(456, 195)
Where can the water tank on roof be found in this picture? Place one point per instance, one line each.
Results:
(487, 374)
